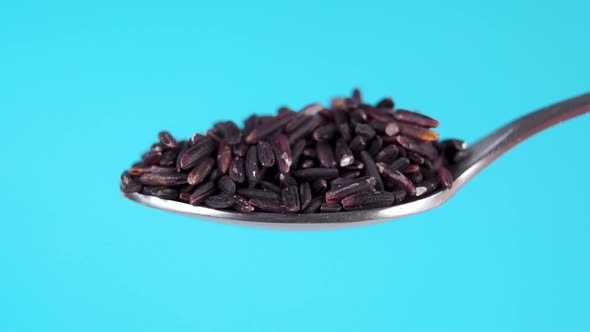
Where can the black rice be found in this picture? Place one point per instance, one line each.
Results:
(330, 207)
(290, 196)
(282, 151)
(258, 193)
(266, 155)
(201, 171)
(363, 201)
(236, 170)
(202, 192)
(224, 156)
(358, 186)
(226, 185)
(348, 157)
(219, 202)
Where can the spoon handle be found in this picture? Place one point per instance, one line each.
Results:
(489, 148)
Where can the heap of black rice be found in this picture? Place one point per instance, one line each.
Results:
(350, 156)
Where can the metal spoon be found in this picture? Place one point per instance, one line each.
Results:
(480, 155)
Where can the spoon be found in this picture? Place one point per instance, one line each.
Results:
(479, 155)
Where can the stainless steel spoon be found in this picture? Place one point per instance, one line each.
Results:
(480, 155)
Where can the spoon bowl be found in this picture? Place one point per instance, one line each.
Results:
(479, 155)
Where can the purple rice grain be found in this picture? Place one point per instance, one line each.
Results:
(264, 205)
(343, 154)
(419, 133)
(129, 184)
(297, 151)
(427, 186)
(160, 192)
(250, 123)
(196, 153)
(388, 154)
(398, 178)
(415, 119)
(403, 153)
(359, 186)
(232, 133)
(357, 97)
(195, 138)
(163, 179)
(266, 155)
(375, 145)
(453, 144)
(365, 130)
(241, 204)
(459, 156)
(386, 102)
(168, 157)
(370, 200)
(342, 125)
(201, 192)
(183, 147)
(251, 166)
(326, 155)
(282, 151)
(152, 157)
(392, 129)
(224, 156)
(325, 133)
(287, 180)
(371, 169)
(167, 139)
(358, 144)
(445, 177)
(137, 170)
(258, 193)
(399, 195)
(358, 116)
(201, 171)
(236, 170)
(267, 128)
(424, 149)
(219, 202)
(304, 130)
(184, 197)
(330, 207)
(416, 158)
(290, 196)
(296, 122)
(312, 109)
(380, 115)
(240, 149)
(214, 135)
(226, 185)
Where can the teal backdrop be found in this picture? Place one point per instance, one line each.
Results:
(85, 86)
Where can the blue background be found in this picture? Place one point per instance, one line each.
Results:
(86, 86)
